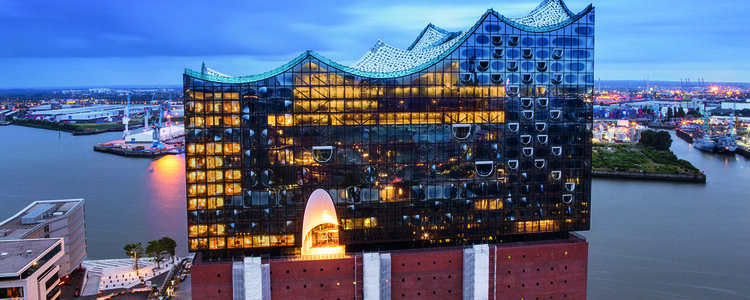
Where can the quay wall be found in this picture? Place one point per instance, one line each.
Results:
(649, 176)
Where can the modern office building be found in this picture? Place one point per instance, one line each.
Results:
(468, 141)
(52, 219)
(29, 269)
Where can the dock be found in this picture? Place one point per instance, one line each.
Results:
(684, 135)
(696, 178)
(139, 144)
(743, 151)
(130, 152)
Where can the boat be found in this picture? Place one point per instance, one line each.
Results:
(725, 143)
(705, 143)
(721, 143)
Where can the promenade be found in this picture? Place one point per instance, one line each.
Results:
(112, 276)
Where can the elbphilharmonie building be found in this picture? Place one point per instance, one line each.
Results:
(476, 136)
(468, 146)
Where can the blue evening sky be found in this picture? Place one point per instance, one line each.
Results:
(48, 43)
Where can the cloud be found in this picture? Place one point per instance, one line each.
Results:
(668, 38)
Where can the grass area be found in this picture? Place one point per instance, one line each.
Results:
(634, 158)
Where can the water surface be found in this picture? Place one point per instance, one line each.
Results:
(127, 199)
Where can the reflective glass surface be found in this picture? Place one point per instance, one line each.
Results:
(449, 155)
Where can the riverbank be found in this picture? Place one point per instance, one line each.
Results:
(698, 178)
(83, 128)
(75, 129)
(631, 161)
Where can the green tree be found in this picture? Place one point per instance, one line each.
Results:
(154, 250)
(133, 250)
(663, 140)
(647, 138)
(169, 246)
(680, 113)
(660, 140)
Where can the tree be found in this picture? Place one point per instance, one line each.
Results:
(133, 250)
(663, 140)
(154, 250)
(169, 246)
(694, 113)
(680, 113)
(660, 140)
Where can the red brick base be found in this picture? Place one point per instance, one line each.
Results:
(540, 270)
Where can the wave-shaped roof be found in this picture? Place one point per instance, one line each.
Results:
(432, 45)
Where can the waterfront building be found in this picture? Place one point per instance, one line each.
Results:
(89, 114)
(479, 138)
(52, 219)
(617, 131)
(29, 269)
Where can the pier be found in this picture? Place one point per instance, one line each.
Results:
(130, 152)
(684, 135)
(698, 178)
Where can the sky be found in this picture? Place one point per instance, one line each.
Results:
(85, 43)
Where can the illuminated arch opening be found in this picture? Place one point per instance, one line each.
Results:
(320, 230)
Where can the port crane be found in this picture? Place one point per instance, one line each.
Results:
(146, 114)
(126, 119)
(157, 126)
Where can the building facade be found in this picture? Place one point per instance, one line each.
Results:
(29, 269)
(463, 138)
(52, 219)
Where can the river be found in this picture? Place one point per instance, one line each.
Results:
(128, 200)
(648, 240)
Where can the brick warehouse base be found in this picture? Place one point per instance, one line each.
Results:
(538, 270)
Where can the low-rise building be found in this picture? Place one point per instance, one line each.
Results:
(51, 219)
(30, 269)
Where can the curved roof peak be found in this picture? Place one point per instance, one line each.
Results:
(432, 45)
(430, 36)
(548, 13)
(209, 71)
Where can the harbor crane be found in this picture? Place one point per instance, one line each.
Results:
(126, 119)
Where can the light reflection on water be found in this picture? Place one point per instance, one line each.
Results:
(165, 182)
(127, 199)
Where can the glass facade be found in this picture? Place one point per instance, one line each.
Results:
(489, 143)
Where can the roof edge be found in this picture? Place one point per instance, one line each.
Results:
(572, 19)
(357, 72)
(438, 29)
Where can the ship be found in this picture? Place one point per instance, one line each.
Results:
(725, 143)
(705, 143)
(706, 139)
(721, 143)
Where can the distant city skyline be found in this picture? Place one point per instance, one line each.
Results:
(93, 43)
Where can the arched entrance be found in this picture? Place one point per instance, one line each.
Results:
(320, 227)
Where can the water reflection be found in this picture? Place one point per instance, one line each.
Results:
(165, 183)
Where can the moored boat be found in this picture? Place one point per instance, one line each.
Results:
(705, 143)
